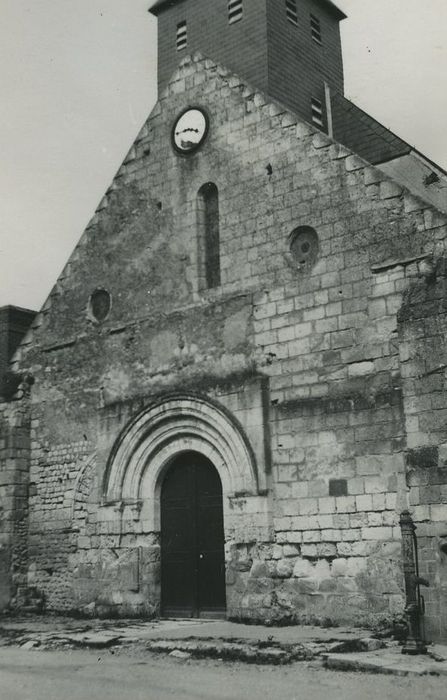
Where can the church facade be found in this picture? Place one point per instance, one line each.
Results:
(238, 382)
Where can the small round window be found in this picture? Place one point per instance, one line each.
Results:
(99, 304)
(304, 246)
(190, 130)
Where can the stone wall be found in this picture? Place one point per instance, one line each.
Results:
(323, 339)
(423, 352)
(14, 467)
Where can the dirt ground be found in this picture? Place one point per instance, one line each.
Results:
(134, 674)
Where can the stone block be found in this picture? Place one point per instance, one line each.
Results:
(363, 503)
(344, 549)
(351, 535)
(345, 504)
(377, 533)
(368, 465)
(309, 550)
(327, 585)
(341, 520)
(277, 552)
(308, 506)
(421, 513)
(360, 369)
(321, 140)
(439, 512)
(339, 567)
(356, 565)
(373, 176)
(376, 484)
(290, 550)
(322, 569)
(302, 568)
(284, 568)
(363, 549)
(390, 518)
(326, 549)
(325, 522)
(311, 536)
(378, 501)
(318, 488)
(331, 535)
(390, 189)
(357, 520)
(305, 522)
(374, 519)
(259, 569)
(353, 162)
(306, 586)
(294, 537)
(326, 505)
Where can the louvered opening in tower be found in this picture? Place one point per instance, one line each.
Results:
(291, 12)
(315, 29)
(317, 112)
(182, 36)
(235, 11)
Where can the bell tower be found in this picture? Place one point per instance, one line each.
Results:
(289, 49)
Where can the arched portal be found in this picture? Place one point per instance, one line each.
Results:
(192, 539)
(153, 448)
(176, 424)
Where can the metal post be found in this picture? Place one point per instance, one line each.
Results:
(415, 643)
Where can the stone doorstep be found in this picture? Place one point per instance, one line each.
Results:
(231, 651)
(341, 649)
(390, 661)
(260, 651)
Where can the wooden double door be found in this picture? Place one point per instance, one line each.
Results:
(192, 539)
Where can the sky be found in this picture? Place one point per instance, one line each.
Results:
(78, 80)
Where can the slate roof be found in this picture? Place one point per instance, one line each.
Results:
(363, 134)
(160, 5)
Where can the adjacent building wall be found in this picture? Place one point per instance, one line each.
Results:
(14, 459)
(14, 469)
(14, 323)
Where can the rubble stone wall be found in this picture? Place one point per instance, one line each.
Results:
(14, 470)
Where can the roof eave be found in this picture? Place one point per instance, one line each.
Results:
(332, 7)
(161, 5)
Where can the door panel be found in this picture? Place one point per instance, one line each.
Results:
(192, 539)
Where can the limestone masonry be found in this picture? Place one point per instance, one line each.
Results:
(268, 300)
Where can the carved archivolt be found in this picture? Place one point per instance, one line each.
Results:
(162, 431)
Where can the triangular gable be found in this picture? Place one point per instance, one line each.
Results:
(198, 70)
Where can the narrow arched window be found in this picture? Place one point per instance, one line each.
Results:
(209, 244)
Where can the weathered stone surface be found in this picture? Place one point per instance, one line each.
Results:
(332, 371)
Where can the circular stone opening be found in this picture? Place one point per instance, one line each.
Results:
(190, 130)
(100, 303)
(304, 246)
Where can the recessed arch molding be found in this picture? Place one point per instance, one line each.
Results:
(175, 424)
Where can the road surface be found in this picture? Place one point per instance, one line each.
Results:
(88, 675)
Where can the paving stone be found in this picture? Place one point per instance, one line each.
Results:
(178, 654)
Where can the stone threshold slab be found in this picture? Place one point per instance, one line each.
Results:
(388, 662)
